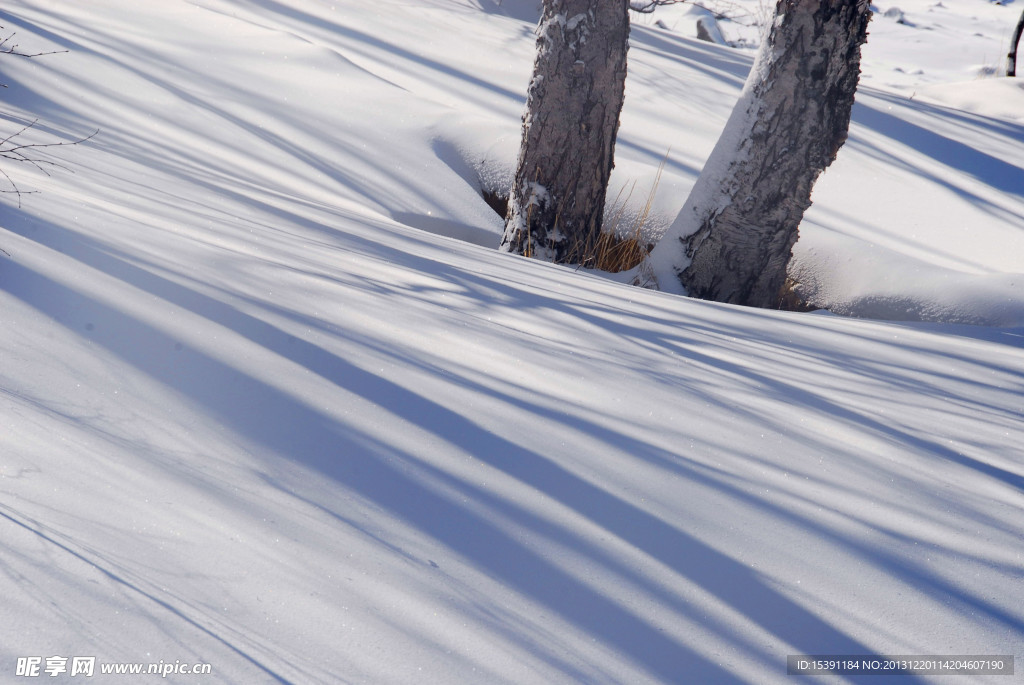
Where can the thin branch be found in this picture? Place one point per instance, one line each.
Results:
(12, 49)
(15, 190)
(645, 6)
(722, 11)
(27, 153)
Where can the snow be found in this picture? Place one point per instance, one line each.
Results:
(271, 399)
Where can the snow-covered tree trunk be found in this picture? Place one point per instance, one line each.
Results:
(1011, 62)
(734, 236)
(556, 205)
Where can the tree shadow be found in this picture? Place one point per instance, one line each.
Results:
(367, 462)
(1001, 175)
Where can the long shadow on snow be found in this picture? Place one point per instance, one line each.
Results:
(381, 47)
(784, 393)
(1003, 176)
(149, 595)
(197, 164)
(762, 385)
(920, 578)
(290, 428)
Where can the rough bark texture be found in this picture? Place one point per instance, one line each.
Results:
(1011, 62)
(556, 205)
(796, 113)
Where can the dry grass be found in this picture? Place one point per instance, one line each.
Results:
(614, 254)
(790, 300)
(623, 248)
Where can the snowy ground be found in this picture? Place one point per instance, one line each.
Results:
(259, 410)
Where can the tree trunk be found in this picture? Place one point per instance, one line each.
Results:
(1011, 63)
(556, 205)
(740, 222)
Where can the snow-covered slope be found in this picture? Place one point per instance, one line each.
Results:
(257, 410)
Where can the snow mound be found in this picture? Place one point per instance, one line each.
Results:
(895, 287)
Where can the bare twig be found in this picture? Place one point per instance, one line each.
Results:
(27, 153)
(721, 10)
(10, 147)
(8, 48)
(13, 49)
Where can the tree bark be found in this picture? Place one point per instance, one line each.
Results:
(1011, 62)
(556, 205)
(740, 222)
